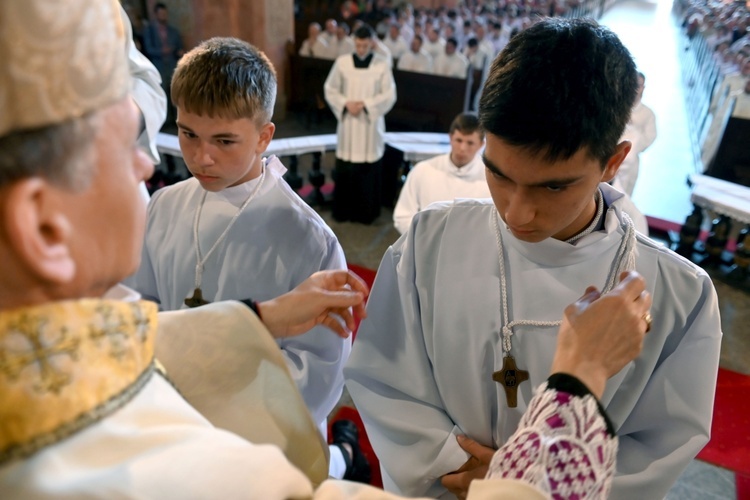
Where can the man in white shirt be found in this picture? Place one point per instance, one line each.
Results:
(451, 63)
(458, 174)
(315, 45)
(435, 44)
(641, 132)
(485, 45)
(498, 38)
(344, 44)
(417, 59)
(395, 42)
(330, 31)
(360, 90)
(478, 59)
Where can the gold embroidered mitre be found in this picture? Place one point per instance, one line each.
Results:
(59, 60)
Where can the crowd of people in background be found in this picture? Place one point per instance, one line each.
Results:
(446, 42)
(725, 28)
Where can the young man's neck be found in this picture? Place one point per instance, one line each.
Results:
(590, 212)
(253, 173)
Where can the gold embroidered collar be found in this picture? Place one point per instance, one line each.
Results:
(65, 365)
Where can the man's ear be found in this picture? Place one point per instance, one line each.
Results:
(614, 162)
(38, 231)
(266, 134)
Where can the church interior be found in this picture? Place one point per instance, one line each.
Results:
(674, 181)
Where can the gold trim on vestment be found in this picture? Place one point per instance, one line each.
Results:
(65, 365)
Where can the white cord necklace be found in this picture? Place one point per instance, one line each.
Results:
(510, 375)
(200, 261)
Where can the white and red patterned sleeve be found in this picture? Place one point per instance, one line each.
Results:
(565, 445)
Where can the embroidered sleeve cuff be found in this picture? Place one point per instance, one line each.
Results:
(569, 384)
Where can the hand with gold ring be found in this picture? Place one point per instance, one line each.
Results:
(648, 319)
(600, 334)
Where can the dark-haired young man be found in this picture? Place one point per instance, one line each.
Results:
(464, 312)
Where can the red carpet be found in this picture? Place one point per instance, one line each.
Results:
(349, 413)
(369, 276)
(743, 487)
(730, 438)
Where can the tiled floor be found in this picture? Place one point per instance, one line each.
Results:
(649, 30)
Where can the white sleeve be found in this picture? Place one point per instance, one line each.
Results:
(671, 421)
(390, 374)
(333, 91)
(408, 202)
(316, 359)
(144, 280)
(381, 103)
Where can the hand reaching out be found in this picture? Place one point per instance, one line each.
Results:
(325, 298)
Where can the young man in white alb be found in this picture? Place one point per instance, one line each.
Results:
(458, 174)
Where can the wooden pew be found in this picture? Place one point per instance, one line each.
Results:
(425, 103)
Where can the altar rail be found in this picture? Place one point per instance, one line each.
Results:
(402, 151)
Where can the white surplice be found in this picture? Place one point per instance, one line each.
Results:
(277, 242)
(454, 66)
(421, 368)
(438, 179)
(421, 62)
(361, 138)
(641, 132)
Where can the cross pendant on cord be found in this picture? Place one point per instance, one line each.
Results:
(197, 299)
(510, 376)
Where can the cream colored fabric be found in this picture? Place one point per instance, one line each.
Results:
(345, 490)
(228, 367)
(503, 489)
(60, 60)
(484, 489)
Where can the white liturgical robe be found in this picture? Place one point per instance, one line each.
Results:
(398, 47)
(421, 368)
(434, 49)
(421, 62)
(438, 179)
(455, 65)
(277, 242)
(361, 138)
(641, 132)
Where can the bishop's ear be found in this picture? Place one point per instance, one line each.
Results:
(614, 162)
(38, 231)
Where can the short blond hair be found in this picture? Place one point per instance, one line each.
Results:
(228, 78)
